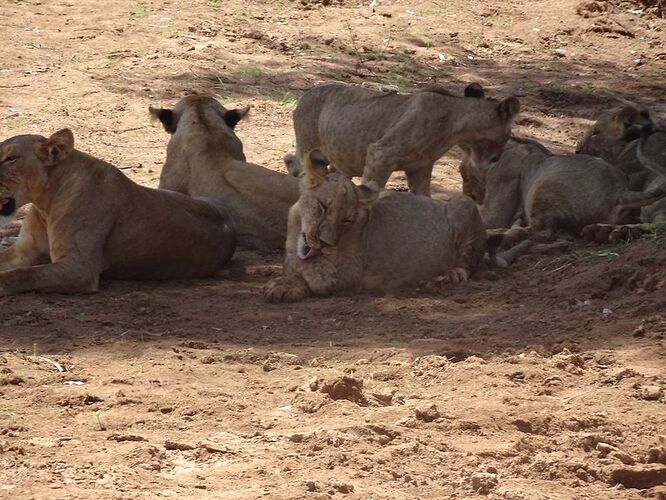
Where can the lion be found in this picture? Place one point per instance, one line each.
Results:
(369, 133)
(613, 137)
(88, 220)
(205, 158)
(555, 194)
(347, 237)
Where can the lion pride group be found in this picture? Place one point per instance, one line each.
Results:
(88, 221)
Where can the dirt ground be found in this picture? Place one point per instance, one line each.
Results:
(544, 381)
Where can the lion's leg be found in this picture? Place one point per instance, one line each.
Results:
(286, 289)
(31, 246)
(380, 162)
(64, 276)
(419, 180)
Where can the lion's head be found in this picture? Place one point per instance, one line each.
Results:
(25, 164)
(483, 147)
(329, 205)
(612, 132)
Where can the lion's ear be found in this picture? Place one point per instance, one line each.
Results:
(474, 90)
(508, 108)
(367, 193)
(166, 116)
(56, 148)
(233, 116)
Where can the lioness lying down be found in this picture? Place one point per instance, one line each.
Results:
(88, 219)
(556, 193)
(205, 158)
(343, 236)
(614, 137)
(369, 133)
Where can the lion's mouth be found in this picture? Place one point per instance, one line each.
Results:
(7, 206)
(305, 251)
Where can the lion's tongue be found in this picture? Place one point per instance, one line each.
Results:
(313, 252)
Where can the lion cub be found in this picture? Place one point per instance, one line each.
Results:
(341, 236)
(369, 133)
(88, 220)
(205, 158)
(615, 138)
(556, 193)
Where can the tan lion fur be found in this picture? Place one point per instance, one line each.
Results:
(205, 158)
(557, 193)
(369, 133)
(88, 220)
(613, 137)
(347, 237)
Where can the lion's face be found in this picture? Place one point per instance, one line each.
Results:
(329, 205)
(611, 133)
(25, 161)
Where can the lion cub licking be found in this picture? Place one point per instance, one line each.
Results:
(88, 220)
(341, 236)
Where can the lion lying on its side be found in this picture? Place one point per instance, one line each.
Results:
(556, 193)
(342, 236)
(614, 137)
(88, 219)
(205, 158)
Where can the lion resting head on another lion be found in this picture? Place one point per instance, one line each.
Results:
(346, 237)
(88, 220)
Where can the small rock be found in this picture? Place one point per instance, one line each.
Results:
(173, 445)
(427, 413)
(642, 477)
(342, 487)
(208, 360)
(657, 454)
(311, 486)
(344, 387)
(651, 393)
(125, 437)
(484, 482)
(622, 456)
(297, 438)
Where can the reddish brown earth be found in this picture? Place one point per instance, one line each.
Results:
(544, 381)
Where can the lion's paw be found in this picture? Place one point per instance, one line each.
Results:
(282, 290)
(457, 275)
(626, 233)
(597, 232)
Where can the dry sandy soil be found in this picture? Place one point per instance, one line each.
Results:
(544, 381)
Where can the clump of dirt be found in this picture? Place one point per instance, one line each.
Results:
(597, 8)
(344, 387)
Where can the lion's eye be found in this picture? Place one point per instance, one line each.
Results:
(322, 207)
(10, 159)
